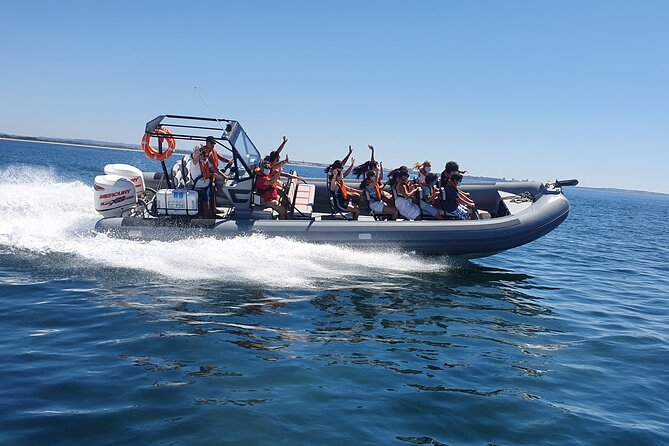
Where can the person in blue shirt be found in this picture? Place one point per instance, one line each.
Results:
(454, 201)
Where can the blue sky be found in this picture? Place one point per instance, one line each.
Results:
(514, 89)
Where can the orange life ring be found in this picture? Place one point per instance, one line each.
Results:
(153, 153)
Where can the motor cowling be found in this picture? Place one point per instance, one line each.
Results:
(114, 195)
(128, 172)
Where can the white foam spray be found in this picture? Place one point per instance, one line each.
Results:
(43, 214)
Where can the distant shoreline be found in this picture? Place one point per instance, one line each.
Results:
(61, 143)
(130, 148)
(110, 146)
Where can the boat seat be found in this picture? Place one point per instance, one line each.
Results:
(303, 201)
(377, 215)
(258, 211)
(336, 213)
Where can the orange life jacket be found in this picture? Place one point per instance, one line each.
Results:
(213, 157)
(378, 191)
(344, 190)
(204, 169)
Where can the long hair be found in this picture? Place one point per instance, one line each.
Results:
(395, 174)
(368, 176)
(362, 169)
(420, 164)
(336, 165)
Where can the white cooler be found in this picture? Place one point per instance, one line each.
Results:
(177, 202)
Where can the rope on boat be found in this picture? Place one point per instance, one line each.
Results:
(524, 197)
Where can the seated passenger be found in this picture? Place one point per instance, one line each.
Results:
(377, 167)
(454, 202)
(267, 188)
(352, 192)
(431, 197)
(341, 194)
(404, 193)
(451, 168)
(372, 189)
(423, 169)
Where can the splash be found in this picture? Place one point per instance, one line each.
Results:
(45, 215)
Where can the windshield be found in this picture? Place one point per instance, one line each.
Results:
(247, 151)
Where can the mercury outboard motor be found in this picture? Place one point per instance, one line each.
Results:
(114, 195)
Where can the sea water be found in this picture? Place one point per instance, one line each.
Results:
(258, 340)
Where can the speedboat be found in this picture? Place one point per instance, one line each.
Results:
(158, 205)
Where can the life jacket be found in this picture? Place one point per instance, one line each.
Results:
(344, 190)
(204, 168)
(430, 191)
(342, 186)
(213, 157)
(377, 189)
(268, 192)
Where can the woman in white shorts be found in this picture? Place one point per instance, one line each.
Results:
(404, 195)
(374, 194)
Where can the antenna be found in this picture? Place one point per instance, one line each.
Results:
(210, 110)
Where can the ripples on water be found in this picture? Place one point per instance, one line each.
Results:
(269, 341)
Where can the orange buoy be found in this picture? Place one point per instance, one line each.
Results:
(163, 135)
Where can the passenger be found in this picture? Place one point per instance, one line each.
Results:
(423, 169)
(266, 186)
(274, 157)
(431, 197)
(455, 202)
(199, 180)
(341, 194)
(372, 189)
(451, 168)
(213, 159)
(404, 193)
(365, 167)
(353, 193)
(377, 167)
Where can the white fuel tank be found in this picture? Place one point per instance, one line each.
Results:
(114, 194)
(177, 202)
(129, 172)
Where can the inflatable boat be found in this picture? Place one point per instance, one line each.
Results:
(158, 205)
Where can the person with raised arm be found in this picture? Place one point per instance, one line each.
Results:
(344, 197)
(372, 188)
(275, 155)
(266, 185)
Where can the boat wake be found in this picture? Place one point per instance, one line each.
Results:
(48, 216)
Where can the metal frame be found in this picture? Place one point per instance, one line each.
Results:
(229, 133)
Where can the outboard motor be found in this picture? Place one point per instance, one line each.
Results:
(114, 195)
(128, 172)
